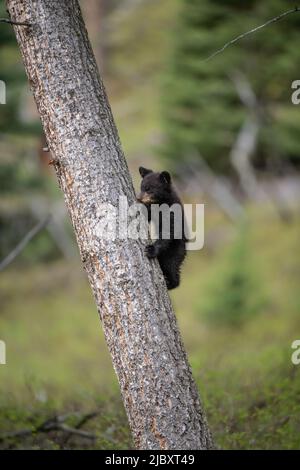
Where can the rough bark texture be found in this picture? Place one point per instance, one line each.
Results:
(158, 390)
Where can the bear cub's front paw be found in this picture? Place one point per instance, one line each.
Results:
(151, 251)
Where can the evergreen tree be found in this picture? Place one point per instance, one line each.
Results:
(201, 108)
(234, 293)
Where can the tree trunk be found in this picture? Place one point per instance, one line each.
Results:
(158, 390)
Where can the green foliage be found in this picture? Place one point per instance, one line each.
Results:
(251, 400)
(201, 107)
(15, 179)
(13, 74)
(233, 294)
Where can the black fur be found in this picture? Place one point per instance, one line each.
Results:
(156, 188)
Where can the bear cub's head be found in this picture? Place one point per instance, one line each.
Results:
(156, 188)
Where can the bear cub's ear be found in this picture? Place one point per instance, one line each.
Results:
(165, 177)
(143, 171)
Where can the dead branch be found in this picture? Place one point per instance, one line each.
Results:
(57, 225)
(54, 424)
(246, 141)
(79, 425)
(24, 242)
(240, 156)
(254, 30)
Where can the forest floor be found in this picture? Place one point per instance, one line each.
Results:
(58, 367)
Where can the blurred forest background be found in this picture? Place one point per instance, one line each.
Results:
(228, 131)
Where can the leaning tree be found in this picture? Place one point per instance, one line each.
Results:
(160, 396)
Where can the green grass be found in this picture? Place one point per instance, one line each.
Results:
(57, 360)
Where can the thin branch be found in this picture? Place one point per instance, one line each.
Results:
(53, 424)
(24, 242)
(15, 23)
(78, 432)
(81, 422)
(58, 424)
(254, 30)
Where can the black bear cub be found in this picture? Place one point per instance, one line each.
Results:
(156, 188)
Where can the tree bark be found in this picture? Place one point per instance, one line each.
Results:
(140, 328)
